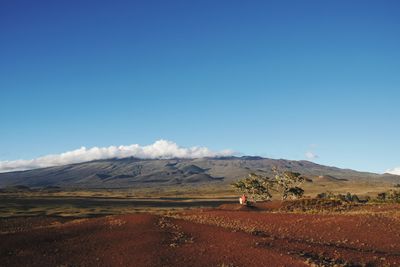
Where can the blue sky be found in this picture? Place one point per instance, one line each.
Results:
(271, 78)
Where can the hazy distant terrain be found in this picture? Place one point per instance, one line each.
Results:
(134, 172)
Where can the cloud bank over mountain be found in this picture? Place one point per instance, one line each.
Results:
(394, 171)
(160, 149)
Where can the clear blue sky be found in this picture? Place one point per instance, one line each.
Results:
(270, 78)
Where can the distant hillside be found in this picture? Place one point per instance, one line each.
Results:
(133, 172)
(328, 178)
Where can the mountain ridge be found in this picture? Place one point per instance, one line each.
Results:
(135, 172)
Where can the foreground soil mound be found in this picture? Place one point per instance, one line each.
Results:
(369, 236)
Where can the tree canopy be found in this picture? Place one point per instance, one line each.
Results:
(259, 187)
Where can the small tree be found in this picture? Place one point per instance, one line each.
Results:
(259, 187)
(288, 183)
(256, 186)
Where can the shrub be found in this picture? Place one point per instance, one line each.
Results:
(391, 196)
(331, 196)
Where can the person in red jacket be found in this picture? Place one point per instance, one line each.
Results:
(243, 200)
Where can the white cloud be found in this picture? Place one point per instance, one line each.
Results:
(395, 171)
(311, 155)
(160, 149)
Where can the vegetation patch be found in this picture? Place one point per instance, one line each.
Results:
(316, 205)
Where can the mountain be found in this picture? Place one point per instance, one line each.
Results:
(134, 172)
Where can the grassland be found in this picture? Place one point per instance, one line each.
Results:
(100, 202)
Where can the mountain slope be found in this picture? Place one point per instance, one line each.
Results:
(133, 172)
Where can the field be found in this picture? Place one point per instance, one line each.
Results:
(83, 207)
(100, 202)
(217, 234)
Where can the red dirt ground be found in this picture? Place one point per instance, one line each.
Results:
(366, 237)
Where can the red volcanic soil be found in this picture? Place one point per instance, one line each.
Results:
(215, 237)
